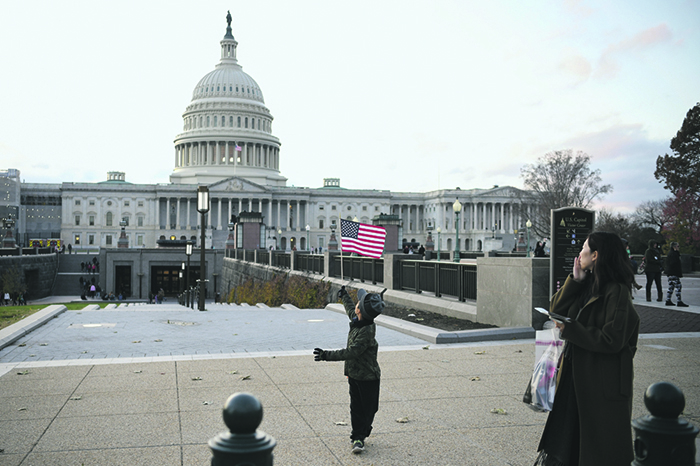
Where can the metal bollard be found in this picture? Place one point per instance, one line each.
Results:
(244, 445)
(661, 439)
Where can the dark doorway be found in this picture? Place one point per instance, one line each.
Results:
(167, 277)
(122, 280)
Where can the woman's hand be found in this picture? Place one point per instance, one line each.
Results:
(559, 325)
(578, 272)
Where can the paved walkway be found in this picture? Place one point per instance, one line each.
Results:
(145, 385)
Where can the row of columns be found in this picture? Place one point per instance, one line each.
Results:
(503, 216)
(296, 212)
(225, 153)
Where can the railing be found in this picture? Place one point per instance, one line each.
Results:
(281, 259)
(357, 268)
(25, 251)
(440, 278)
(309, 263)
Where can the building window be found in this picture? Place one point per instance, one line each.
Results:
(230, 121)
(108, 219)
(207, 122)
(321, 207)
(126, 220)
(320, 224)
(216, 118)
(349, 207)
(140, 203)
(77, 220)
(77, 202)
(246, 122)
(364, 208)
(139, 221)
(108, 240)
(376, 208)
(139, 240)
(91, 202)
(109, 203)
(91, 220)
(126, 203)
(332, 207)
(91, 239)
(76, 240)
(239, 118)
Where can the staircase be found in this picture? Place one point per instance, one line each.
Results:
(69, 273)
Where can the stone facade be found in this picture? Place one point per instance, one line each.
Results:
(38, 272)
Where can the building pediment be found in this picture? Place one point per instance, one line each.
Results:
(236, 184)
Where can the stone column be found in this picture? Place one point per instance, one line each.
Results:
(269, 212)
(230, 208)
(189, 223)
(157, 222)
(219, 215)
(279, 209)
(177, 214)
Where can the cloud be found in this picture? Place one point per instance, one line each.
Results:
(577, 66)
(645, 40)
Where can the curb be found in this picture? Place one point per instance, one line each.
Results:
(436, 336)
(17, 330)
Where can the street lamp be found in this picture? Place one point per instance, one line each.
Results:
(279, 237)
(457, 207)
(202, 208)
(182, 275)
(493, 231)
(308, 228)
(188, 252)
(230, 242)
(439, 230)
(528, 224)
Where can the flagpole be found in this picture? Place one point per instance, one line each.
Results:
(340, 230)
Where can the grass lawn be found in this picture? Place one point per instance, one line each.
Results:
(12, 314)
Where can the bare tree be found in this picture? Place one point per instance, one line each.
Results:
(559, 179)
(651, 214)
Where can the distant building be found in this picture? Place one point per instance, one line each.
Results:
(227, 143)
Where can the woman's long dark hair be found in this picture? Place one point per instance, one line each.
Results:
(613, 263)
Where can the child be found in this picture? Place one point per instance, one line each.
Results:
(361, 367)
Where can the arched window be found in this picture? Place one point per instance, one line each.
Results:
(230, 122)
(215, 119)
(239, 122)
(246, 122)
(108, 219)
(207, 121)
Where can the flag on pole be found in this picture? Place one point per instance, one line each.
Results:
(238, 148)
(366, 240)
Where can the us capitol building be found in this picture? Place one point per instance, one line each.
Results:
(227, 143)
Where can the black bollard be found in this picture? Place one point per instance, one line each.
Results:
(661, 439)
(244, 445)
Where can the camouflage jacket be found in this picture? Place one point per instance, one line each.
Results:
(360, 356)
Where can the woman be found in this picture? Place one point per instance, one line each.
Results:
(590, 421)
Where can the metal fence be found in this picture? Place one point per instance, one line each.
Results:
(440, 278)
(309, 263)
(357, 268)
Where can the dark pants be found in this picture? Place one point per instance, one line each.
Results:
(364, 403)
(656, 278)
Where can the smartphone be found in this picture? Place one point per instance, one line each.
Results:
(555, 317)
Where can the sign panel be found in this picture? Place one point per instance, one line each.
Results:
(569, 228)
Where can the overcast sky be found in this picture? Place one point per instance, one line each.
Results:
(399, 95)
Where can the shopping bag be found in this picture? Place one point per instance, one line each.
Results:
(539, 394)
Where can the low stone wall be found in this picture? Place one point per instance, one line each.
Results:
(38, 272)
(508, 290)
(235, 273)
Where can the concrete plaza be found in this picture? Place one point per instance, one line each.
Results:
(145, 384)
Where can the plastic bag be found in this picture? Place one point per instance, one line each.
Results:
(543, 383)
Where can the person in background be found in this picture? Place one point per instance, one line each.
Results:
(589, 424)
(654, 265)
(674, 270)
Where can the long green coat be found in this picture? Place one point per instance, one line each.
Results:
(360, 355)
(604, 338)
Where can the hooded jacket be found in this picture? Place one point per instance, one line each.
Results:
(360, 355)
(652, 259)
(673, 264)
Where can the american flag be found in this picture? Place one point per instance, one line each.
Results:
(238, 148)
(366, 240)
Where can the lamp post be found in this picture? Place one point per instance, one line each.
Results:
(439, 230)
(182, 282)
(457, 207)
(528, 225)
(188, 252)
(493, 232)
(202, 208)
(308, 228)
(279, 237)
(123, 241)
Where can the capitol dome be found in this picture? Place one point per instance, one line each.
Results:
(227, 129)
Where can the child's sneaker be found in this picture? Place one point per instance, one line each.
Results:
(358, 446)
(681, 304)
